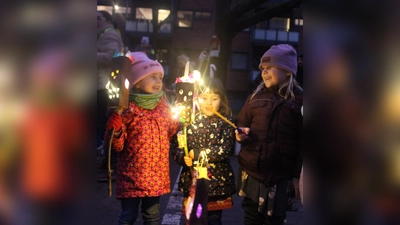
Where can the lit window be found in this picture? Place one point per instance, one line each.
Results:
(123, 10)
(298, 22)
(163, 14)
(279, 23)
(144, 13)
(185, 18)
(109, 9)
(202, 15)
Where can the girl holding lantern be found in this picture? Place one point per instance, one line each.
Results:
(142, 140)
(209, 135)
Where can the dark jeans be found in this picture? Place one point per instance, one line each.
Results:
(150, 210)
(253, 217)
(214, 217)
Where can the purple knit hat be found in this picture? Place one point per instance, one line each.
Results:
(283, 56)
(142, 66)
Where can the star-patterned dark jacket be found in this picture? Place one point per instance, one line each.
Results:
(143, 151)
(217, 138)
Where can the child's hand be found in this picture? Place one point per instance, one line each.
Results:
(189, 159)
(243, 135)
(115, 121)
(191, 154)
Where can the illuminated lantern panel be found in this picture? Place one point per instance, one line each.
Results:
(118, 86)
(184, 101)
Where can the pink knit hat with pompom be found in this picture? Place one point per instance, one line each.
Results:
(283, 56)
(142, 66)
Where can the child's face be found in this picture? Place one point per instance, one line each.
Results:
(273, 76)
(209, 100)
(151, 84)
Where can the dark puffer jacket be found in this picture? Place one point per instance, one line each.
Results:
(216, 135)
(275, 148)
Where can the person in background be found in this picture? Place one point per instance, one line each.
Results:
(108, 42)
(52, 132)
(271, 157)
(142, 140)
(213, 135)
(179, 69)
(146, 47)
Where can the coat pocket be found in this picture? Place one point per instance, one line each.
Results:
(249, 156)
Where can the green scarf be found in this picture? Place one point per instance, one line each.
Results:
(147, 101)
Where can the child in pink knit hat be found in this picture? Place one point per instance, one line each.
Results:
(142, 135)
(271, 155)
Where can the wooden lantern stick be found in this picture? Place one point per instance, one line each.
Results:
(224, 118)
(109, 165)
(185, 148)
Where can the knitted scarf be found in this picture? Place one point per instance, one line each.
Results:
(147, 101)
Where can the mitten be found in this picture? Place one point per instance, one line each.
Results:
(115, 121)
(188, 161)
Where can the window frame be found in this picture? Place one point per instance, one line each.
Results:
(178, 19)
(233, 65)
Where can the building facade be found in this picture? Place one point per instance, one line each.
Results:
(177, 27)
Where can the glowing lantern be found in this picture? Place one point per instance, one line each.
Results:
(118, 86)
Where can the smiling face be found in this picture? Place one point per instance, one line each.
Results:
(273, 76)
(209, 100)
(151, 84)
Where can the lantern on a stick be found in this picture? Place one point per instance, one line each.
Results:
(184, 108)
(118, 85)
(118, 93)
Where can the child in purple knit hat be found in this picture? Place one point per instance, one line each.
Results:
(271, 155)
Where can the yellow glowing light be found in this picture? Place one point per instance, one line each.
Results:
(112, 74)
(117, 71)
(126, 83)
(196, 75)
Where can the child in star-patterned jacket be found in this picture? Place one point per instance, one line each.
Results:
(142, 140)
(210, 133)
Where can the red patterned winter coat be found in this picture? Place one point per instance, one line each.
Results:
(143, 151)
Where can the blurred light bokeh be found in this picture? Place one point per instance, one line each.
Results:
(352, 112)
(47, 90)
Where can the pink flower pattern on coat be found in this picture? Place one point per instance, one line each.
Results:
(143, 151)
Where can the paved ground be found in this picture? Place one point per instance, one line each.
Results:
(108, 207)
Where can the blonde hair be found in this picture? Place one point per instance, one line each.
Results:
(288, 86)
